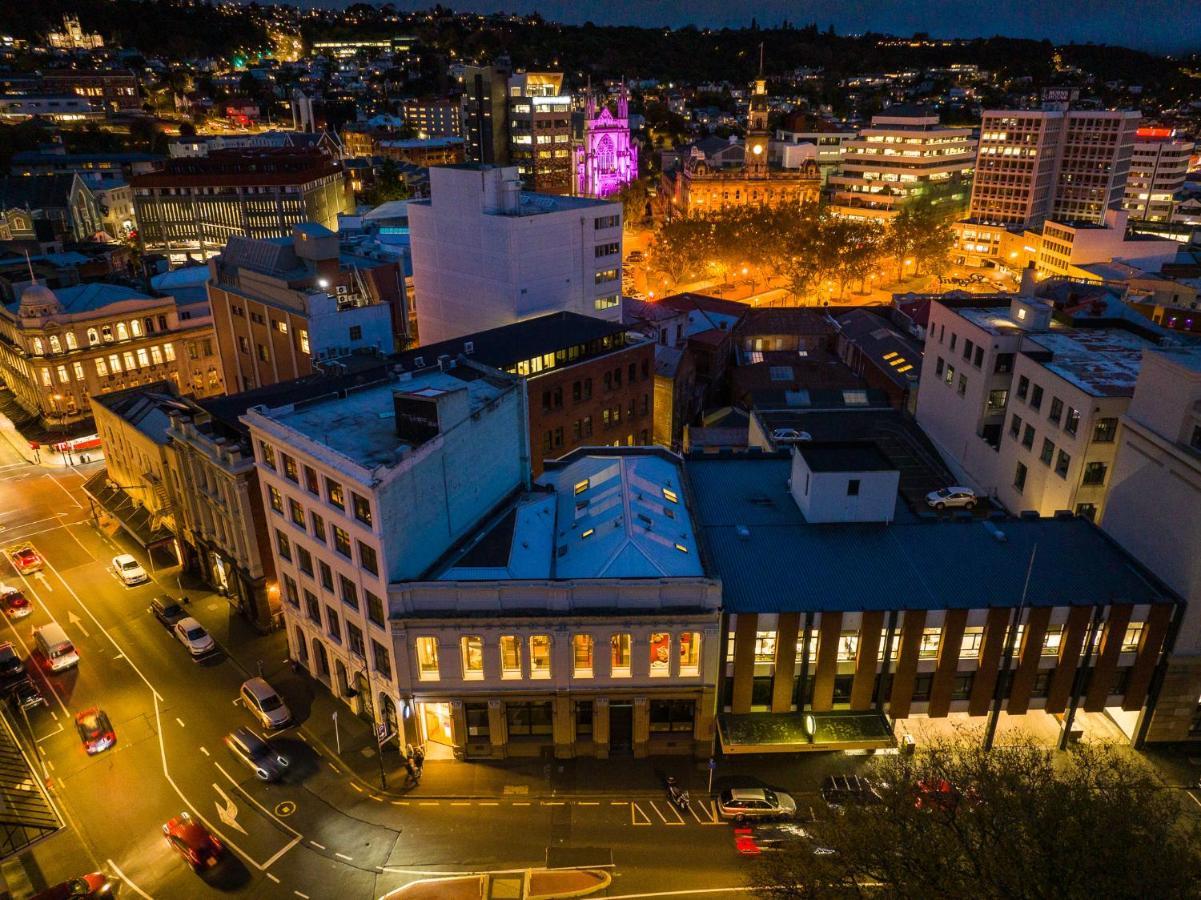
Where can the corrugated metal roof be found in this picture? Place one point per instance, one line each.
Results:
(770, 560)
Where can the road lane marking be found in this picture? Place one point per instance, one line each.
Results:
(400, 802)
(460, 803)
(589, 803)
(356, 787)
(300, 895)
(343, 856)
(335, 768)
(180, 721)
(687, 892)
(272, 877)
(667, 821)
(204, 751)
(635, 812)
(227, 810)
(125, 878)
(76, 622)
(262, 808)
(433, 803)
(521, 803)
(618, 802)
(315, 844)
(710, 810)
(64, 490)
(51, 734)
(553, 803)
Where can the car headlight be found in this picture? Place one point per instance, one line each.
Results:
(282, 760)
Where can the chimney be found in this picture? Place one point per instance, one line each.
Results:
(1028, 281)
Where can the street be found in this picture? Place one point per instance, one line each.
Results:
(321, 832)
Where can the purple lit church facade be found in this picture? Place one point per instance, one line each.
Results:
(606, 161)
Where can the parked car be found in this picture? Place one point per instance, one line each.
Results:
(936, 793)
(849, 790)
(266, 705)
(256, 754)
(191, 840)
(790, 435)
(166, 610)
(94, 885)
(129, 570)
(10, 662)
(95, 730)
(193, 636)
(755, 803)
(16, 604)
(26, 694)
(635, 256)
(26, 560)
(951, 497)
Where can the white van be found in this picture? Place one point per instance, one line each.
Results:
(55, 648)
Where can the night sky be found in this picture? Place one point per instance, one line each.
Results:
(1157, 25)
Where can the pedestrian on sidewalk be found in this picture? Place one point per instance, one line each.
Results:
(412, 774)
(419, 756)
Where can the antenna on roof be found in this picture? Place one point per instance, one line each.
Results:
(29, 263)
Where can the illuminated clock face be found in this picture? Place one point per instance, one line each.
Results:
(757, 149)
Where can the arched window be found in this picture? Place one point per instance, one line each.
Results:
(136, 327)
(71, 342)
(605, 160)
(56, 345)
(93, 337)
(122, 332)
(38, 347)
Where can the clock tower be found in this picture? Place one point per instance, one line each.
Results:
(757, 135)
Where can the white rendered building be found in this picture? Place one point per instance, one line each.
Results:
(1158, 170)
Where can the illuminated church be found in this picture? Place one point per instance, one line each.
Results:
(606, 160)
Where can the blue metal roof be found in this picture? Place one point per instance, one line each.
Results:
(86, 297)
(785, 564)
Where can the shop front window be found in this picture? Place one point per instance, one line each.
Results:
(690, 653)
(528, 719)
(510, 656)
(619, 656)
(660, 652)
(672, 715)
(427, 658)
(477, 720)
(581, 655)
(472, 651)
(583, 719)
(540, 656)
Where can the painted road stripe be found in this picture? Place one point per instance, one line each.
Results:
(522, 803)
(589, 803)
(400, 802)
(332, 766)
(460, 803)
(204, 751)
(300, 895)
(428, 803)
(272, 877)
(553, 803)
(356, 787)
(635, 812)
(489, 803)
(137, 890)
(180, 721)
(343, 856)
(315, 844)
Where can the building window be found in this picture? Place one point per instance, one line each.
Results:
(1023, 387)
(1015, 426)
(304, 560)
(427, 658)
(383, 662)
(973, 638)
(949, 374)
(938, 367)
(853, 487)
(540, 656)
(341, 541)
(529, 719)
(290, 592)
(1028, 437)
(472, 651)
(619, 656)
(660, 654)
(290, 469)
(327, 575)
(350, 593)
(606, 302)
(690, 653)
(1087, 511)
(1048, 452)
(310, 481)
(332, 625)
(1036, 397)
(510, 656)
(848, 646)
(354, 640)
(282, 545)
(1051, 641)
(1094, 473)
(1072, 422)
(765, 646)
(961, 687)
(672, 715)
(313, 608)
(356, 332)
(318, 527)
(296, 511)
(1105, 431)
(1056, 410)
(367, 558)
(1019, 477)
(1133, 637)
(581, 655)
(1062, 463)
(333, 493)
(375, 609)
(477, 721)
(605, 275)
(275, 498)
(997, 400)
(931, 638)
(583, 719)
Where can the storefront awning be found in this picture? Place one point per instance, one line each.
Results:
(134, 518)
(802, 732)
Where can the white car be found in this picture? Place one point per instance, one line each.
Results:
(129, 570)
(950, 497)
(193, 636)
(790, 435)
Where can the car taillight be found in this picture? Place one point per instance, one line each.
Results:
(194, 856)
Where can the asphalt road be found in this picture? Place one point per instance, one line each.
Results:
(320, 833)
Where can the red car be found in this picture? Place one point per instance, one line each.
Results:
(16, 605)
(936, 793)
(94, 885)
(193, 842)
(95, 730)
(26, 561)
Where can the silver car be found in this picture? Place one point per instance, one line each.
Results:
(950, 497)
(264, 703)
(755, 803)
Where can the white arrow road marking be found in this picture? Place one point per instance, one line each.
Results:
(41, 577)
(77, 622)
(229, 812)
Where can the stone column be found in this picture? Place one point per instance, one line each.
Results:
(867, 659)
(642, 727)
(744, 662)
(784, 678)
(498, 729)
(563, 727)
(830, 631)
(1074, 633)
(600, 726)
(458, 717)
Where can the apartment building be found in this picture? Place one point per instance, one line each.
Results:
(850, 622)
(112, 90)
(540, 131)
(903, 153)
(590, 381)
(433, 118)
(370, 485)
(194, 206)
(1157, 480)
(282, 306)
(487, 254)
(1158, 169)
(61, 348)
(1024, 407)
(484, 112)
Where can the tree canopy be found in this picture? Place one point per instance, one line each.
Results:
(1012, 823)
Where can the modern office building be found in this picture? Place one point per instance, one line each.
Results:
(539, 121)
(902, 154)
(61, 348)
(487, 254)
(1154, 512)
(590, 380)
(1158, 168)
(281, 307)
(802, 136)
(484, 112)
(196, 204)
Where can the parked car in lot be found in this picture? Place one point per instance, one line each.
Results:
(166, 610)
(16, 604)
(129, 570)
(191, 840)
(26, 560)
(94, 885)
(755, 803)
(264, 703)
(849, 790)
(936, 793)
(25, 694)
(635, 256)
(790, 435)
(256, 754)
(193, 636)
(95, 730)
(952, 497)
(10, 662)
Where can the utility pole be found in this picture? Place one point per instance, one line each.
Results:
(1000, 688)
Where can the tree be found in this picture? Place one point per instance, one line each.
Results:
(635, 203)
(1015, 822)
(389, 184)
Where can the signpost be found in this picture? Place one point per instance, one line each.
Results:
(712, 769)
(337, 734)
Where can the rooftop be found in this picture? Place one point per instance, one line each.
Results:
(1102, 362)
(771, 560)
(845, 456)
(84, 298)
(596, 514)
(145, 408)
